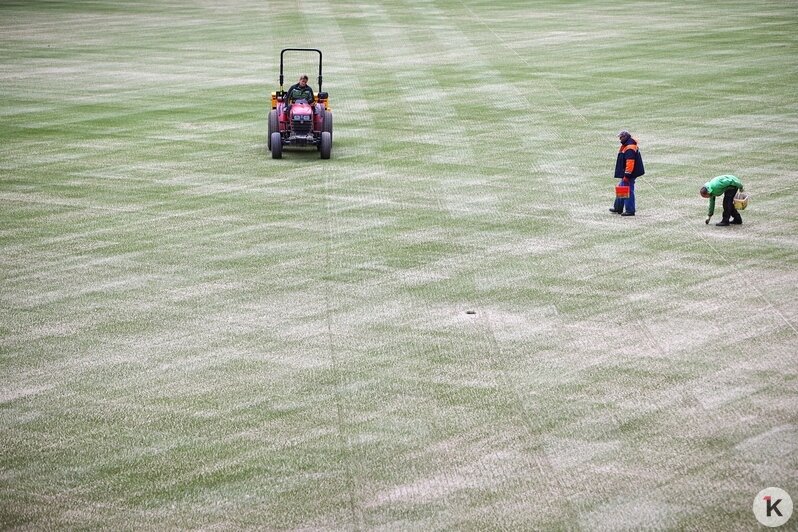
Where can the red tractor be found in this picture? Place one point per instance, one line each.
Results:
(305, 124)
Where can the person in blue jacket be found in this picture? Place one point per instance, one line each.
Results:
(628, 167)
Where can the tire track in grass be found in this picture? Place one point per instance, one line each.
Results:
(347, 101)
(466, 210)
(338, 219)
(344, 439)
(738, 270)
(418, 113)
(663, 401)
(335, 38)
(335, 54)
(220, 309)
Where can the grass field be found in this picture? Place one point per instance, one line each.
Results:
(194, 335)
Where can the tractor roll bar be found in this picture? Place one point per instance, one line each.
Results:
(298, 50)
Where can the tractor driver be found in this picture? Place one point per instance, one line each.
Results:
(300, 91)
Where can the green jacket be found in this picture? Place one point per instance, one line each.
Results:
(717, 186)
(295, 92)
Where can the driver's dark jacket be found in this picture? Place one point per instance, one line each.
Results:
(295, 92)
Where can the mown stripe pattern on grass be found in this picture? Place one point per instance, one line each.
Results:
(194, 335)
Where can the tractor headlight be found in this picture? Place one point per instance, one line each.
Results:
(302, 118)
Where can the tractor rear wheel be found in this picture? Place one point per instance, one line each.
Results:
(276, 145)
(328, 122)
(273, 126)
(326, 144)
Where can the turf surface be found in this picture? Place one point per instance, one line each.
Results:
(194, 335)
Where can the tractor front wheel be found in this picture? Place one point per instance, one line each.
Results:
(326, 144)
(276, 145)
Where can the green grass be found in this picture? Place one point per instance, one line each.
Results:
(194, 335)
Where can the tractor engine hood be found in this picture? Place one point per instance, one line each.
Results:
(301, 119)
(301, 108)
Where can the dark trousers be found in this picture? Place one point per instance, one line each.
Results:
(728, 205)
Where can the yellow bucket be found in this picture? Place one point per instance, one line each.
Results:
(740, 201)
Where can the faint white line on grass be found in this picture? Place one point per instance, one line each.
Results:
(524, 61)
(557, 190)
(646, 183)
(651, 337)
(26, 198)
(543, 464)
(731, 263)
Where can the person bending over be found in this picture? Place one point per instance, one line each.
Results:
(726, 186)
